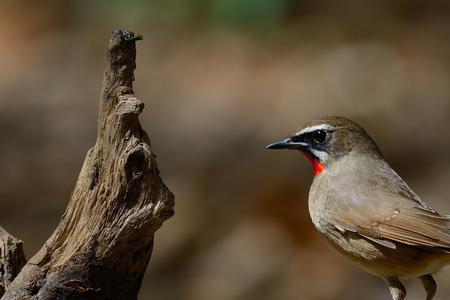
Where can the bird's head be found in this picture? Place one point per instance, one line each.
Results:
(326, 140)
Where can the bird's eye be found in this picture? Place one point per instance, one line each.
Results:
(319, 136)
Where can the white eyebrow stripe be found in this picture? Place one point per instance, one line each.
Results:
(314, 128)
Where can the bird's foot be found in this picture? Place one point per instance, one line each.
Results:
(398, 291)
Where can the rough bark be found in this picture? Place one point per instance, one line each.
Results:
(103, 243)
(12, 259)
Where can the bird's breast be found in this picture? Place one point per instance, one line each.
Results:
(318, 205)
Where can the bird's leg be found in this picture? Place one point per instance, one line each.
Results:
(398, 291)
(430, 286)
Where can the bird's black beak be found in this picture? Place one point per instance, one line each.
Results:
(288, 144)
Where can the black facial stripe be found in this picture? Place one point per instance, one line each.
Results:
(317, 139)
(299, 138)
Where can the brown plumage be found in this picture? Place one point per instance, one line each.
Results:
(366, 210)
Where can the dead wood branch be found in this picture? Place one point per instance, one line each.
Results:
(103, 243)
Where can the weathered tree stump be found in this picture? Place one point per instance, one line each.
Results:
(102, 245)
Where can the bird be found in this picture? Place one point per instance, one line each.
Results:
(366, 210)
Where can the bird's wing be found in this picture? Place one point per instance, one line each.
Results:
(396, 219)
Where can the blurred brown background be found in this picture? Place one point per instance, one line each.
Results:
(220, 80)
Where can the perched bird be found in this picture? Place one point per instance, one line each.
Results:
(365, 210)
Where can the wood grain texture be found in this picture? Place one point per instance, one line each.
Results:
(12, 259)
(102, 245)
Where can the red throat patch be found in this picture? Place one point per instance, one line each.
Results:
(317, 166)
